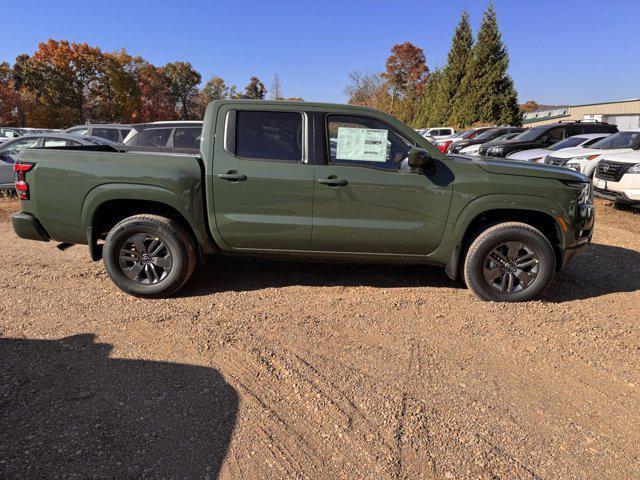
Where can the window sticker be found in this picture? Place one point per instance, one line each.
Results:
(363, 144)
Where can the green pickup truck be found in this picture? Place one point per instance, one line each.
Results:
(311, 181)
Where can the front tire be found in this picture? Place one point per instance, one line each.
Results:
(509, 262)
(149, 256)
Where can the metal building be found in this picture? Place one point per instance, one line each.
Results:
(624, 113)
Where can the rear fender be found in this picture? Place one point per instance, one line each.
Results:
(188, 206)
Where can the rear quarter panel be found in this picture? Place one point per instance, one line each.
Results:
(68, 186)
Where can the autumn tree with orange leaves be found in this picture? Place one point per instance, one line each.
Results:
(64, 84)
(9, 101)
(405, 74)
(398, 88)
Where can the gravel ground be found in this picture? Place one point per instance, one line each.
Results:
(272, 370)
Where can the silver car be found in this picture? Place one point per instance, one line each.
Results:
(9, 150)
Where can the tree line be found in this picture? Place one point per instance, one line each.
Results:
(64, 84)
(473, 88)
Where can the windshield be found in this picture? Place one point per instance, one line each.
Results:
(619, 140)
(568, 143)
(515, 136)
(461, 134)
(532, 134)
(488, 135)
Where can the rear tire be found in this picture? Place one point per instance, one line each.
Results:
(509, 262)
(149, 256)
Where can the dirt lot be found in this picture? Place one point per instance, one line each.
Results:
(271, 370)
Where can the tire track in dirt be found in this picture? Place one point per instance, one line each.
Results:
(309, 423)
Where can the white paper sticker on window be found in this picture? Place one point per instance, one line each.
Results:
(364, 144)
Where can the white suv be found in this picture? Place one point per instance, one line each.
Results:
(584, 160)
(438, 133)
(538, 155)
(617, 178)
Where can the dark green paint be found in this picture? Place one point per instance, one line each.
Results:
(282, 210)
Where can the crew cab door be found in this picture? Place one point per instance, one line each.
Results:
(262, 181)
(366, 198)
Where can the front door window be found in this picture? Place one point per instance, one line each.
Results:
(364, 141)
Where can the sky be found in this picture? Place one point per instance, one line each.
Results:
(562, 51)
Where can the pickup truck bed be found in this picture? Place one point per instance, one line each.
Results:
(97, 186)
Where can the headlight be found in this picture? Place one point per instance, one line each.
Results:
(588, 157)
(495, 151)
(585, 194)
(634, 168)
(573, 166)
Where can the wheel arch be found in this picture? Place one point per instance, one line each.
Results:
(475, 225)
(537, 219)
(107, 205)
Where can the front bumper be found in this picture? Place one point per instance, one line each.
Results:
(585, 220)
(617, 197)
(625, 191)
(582, 233)
(28, 227)
(569, 253)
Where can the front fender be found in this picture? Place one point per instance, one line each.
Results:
(458, 224)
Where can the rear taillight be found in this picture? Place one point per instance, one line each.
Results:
(443, 146)
(22, 187)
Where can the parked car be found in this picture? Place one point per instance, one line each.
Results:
(617, 178)
(438, 133)
(115, 133)
(181, 135)
(585, 159)
(444, 144)
(475, 149)
(10, 150)
(544, 136)
(539, 154)
(483, 137)
(10, 132)
(34, 131)
(265, 184)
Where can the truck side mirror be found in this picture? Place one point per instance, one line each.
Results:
(420, 159)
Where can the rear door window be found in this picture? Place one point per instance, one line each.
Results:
(9, 133)
(154, 137)
(8, 153)
(187, 137)
(575, 130)
(111, 134)
(55, 142)
(556, 134)
(79, 131)
(269, 135)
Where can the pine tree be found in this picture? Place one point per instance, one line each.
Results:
(447, 97)
(487, 94)
(426, 115)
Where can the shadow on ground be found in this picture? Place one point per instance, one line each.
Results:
(67, 410)
(220, 274)
(602, 269)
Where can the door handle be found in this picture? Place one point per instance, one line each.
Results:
(232, 176)
(333, 182)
